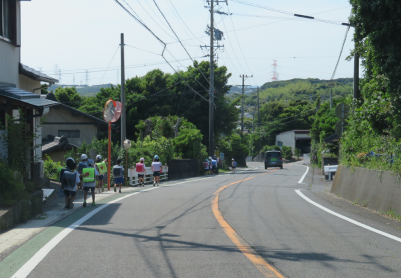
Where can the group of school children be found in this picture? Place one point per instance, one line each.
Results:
(211, 165)
(85, 175)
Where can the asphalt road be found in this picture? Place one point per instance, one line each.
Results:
(172, 231)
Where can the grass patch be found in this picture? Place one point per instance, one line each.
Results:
(392, 214)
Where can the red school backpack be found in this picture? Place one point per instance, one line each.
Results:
(139, 167)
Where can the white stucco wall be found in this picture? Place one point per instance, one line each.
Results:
(27, 84)
(288, 139)
(60, 117)
(9, 63)
(10, 55)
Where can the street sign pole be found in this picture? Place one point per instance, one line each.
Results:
(109, 158)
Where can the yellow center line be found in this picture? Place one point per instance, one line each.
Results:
(266, 269)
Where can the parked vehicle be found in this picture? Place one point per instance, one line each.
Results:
(273, 159)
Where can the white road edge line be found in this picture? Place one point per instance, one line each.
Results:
(347, 219)
(30, 265)
(307, 170)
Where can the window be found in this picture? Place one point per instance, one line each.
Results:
(8, 20)
(273, 154)
(69, 133)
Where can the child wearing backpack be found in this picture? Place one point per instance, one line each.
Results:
(118, 174)
(90, 173)
(102, 169)
(140, 169)
(83, 164)
(70, 178)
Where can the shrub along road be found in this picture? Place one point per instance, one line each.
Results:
(249, 224)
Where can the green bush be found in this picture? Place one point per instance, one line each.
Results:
(12, 187)
(287, 152)
(50, 168)
(297, 153)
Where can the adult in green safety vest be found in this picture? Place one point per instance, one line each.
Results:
(89, 180)
(101, 166)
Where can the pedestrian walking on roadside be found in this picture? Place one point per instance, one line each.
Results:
(140, 169)
(210, 165)
(90, 174)
(214, 165)
(156, 168)
(102, 169)
(118, 174)
(205, 165)
(233, 165)
(69, 181)
(83, 164)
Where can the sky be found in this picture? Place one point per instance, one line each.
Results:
(75, 36)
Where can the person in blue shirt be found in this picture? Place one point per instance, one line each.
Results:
(118, 174)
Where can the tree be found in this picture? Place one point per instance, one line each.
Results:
(68, 96)
(162, 94)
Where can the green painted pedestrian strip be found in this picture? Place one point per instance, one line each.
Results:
(19, 257)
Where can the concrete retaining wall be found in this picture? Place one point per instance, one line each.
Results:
(183, 168)
(22, 211)
(381, 191)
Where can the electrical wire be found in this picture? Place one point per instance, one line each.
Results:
(285, 12)
(341, 52)
(164, 48)
(109, 64)
(238, 42)
(213, 88)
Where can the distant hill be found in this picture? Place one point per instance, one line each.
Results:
(276, 84)
(303, 89)
(83, 90)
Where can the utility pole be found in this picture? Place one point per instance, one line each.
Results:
(123, 117)
(211, 87)
(258, 108)
(243, 93)
(242, 105)
(356, 75)
(331, 98)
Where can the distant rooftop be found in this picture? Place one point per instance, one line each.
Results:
(36, 75)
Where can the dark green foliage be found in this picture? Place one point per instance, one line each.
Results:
(161, 94)
(297, 153)
(277, 117)
(287, 152)
(12, 188)
(235, 146)
(68, 96)
(325, 120)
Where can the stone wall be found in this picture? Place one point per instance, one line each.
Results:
(378, 190)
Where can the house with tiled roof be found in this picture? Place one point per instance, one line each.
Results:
(20, 86)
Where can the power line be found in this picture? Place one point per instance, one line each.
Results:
(164, 47)
(287, 13)
(109, 64)
(154, 1)
(341, 52)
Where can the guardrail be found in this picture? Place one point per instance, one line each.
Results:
(133, 175)
(329, 170)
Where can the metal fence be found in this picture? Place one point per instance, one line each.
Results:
(133, 175)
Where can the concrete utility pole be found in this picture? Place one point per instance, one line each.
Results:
(258, 108)
(356, 75)
(242, 105)
(123, 114)
(211, 90)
